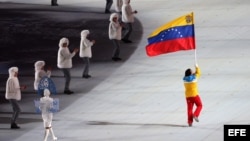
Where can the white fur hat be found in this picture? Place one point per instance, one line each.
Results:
(46, 92)
(39, 64)
(12, 71)
(84, 33)
(112, 16)
(63, 40)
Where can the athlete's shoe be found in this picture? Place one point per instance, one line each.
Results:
(196, 119)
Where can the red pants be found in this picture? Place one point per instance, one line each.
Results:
(190, 104)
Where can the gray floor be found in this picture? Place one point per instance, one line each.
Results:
(142, 99)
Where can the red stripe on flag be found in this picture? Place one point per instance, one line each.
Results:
(170, 46)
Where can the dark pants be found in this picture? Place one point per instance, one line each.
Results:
(108, 5)
(53, 2)
(16, 110)
(86, 68)
(128, 31)
(67, 75)
(116, 52)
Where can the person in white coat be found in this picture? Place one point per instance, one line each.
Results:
(86, 51)
(13, 94)
(40, 72)
(64, 62)
(46, 105)
(115, 35)
(128, 19)
(118, 6)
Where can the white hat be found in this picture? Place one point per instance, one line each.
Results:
(63, 41)
(46, 92)
(39, 64)
(12, 71)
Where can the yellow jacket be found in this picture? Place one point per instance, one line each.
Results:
(190, 83)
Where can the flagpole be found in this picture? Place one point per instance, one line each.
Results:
(195, 55)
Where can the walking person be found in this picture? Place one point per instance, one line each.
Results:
(118, 6)
(13, 94)
(108, 6)
(115, 35)
(86, 51)
(46, 105)
(192, 95)
(128, 19)
(64, 62)
(40, 72)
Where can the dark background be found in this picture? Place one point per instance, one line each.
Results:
(30, 32)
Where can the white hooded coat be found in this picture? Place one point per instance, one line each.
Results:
(115, 29)
(85, 45)
(118, 5)
(64, 57)
(40, 73)
(127, 12)
(12, 85)
(46, 103)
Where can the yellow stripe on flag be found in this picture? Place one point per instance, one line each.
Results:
(187, 19)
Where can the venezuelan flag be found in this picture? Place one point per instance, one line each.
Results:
(174, 36)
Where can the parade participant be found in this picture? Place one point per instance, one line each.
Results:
(13, 94)
(46, 106)
(86, 51)
(64, 62)
(192, 94)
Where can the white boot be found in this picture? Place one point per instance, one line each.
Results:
(46, 134)
(53, 135)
